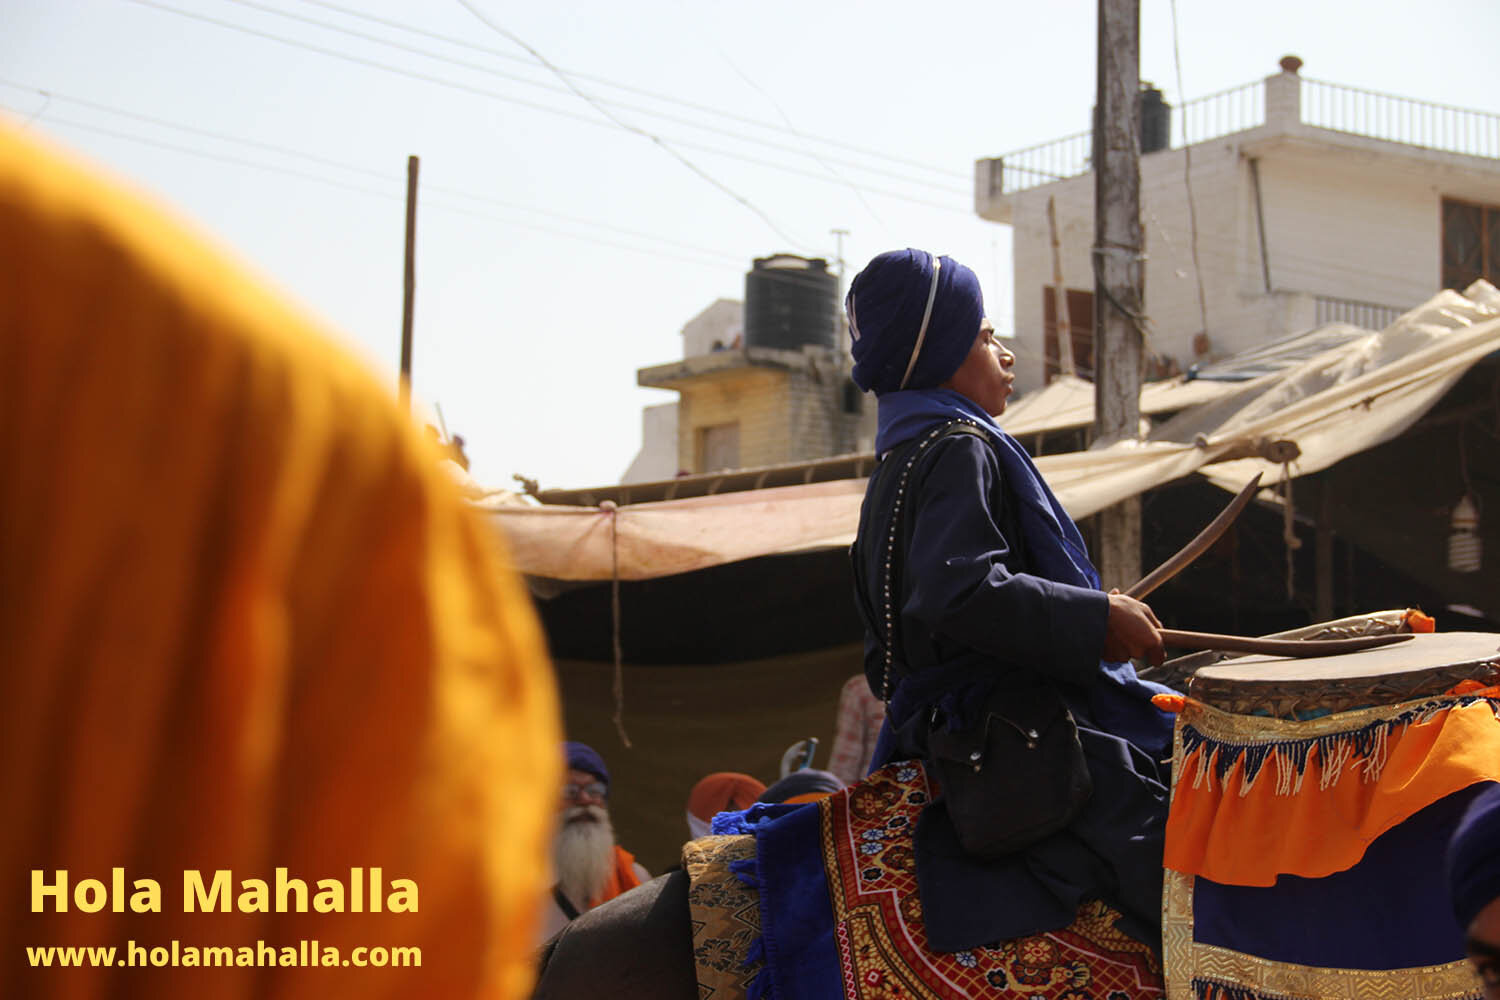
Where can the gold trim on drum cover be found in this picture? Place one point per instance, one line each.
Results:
(1183, 959)
(1186, 960)
(1453, 981)
(1250, 730)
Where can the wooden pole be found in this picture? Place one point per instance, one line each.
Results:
(1324, 552)
(1118, 295)
(411, 280)
(1062, 317)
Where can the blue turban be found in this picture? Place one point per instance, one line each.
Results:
(1474, 857)
(886, 304)
(582, 757)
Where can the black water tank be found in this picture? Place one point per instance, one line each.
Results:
(1155, 118)
(789, 303)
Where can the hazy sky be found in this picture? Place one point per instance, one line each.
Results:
(563, 240)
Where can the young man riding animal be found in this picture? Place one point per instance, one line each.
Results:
(983, 617)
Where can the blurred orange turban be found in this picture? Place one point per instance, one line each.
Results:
(724, 791)
(247, 624)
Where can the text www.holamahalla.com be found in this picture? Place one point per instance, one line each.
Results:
(305, 954)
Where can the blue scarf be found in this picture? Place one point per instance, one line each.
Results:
(1121, 701)
(1051, 538)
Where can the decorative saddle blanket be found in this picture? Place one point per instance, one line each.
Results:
(725, 915)
(1305, 859)
(840, 916)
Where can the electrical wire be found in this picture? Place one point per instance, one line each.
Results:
(207, 155)
(39, 111)
(737, 135)
(390, 195)
(193, 130)
(1187, 173)
(355, 168)
(1139, 320)
(666, 98)
(825, 164)
(657, 140)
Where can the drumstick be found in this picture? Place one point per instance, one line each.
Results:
(1277, 647)
(1192, 550)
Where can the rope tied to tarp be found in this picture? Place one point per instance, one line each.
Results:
(613, 510)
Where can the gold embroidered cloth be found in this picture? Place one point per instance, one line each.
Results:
(725, 915)
(1200, 971)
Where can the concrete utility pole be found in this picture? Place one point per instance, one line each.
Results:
(1118, 295)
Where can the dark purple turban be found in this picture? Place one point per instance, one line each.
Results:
(582, 757)
(903, 297)
(1474, 857)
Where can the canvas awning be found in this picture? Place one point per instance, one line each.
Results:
(646, 540)
(1364, 389)
(1067, 402)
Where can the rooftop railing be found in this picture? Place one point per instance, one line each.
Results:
(1224, 113)
(1042, 164)
(1369, 315)
(1238, 109)
(1400, 119)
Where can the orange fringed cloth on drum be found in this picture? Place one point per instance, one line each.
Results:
(1304, 858)
(247, 624)
(1292, 802)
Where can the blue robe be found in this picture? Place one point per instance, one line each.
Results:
(995, 580)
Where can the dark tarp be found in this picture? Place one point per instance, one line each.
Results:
(688, 721)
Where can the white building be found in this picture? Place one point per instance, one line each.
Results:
(657, 459)
(1314, 203)
(719, 327)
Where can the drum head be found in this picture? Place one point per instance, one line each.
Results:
(1294, 688)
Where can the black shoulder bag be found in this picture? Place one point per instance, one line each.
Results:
(1016, 774)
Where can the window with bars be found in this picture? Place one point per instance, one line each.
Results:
(1471, 243)
(1081, 326)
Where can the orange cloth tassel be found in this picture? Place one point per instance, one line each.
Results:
(1416, 621)
(1173, 703)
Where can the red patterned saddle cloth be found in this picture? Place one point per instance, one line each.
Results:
(882, 944)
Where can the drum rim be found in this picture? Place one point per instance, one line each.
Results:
(1227, 673)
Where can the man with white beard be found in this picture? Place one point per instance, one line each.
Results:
(589, 866)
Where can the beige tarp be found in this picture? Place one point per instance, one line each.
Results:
(1351, 397)
(1068, 402)
(675, 536)
(1368, 392)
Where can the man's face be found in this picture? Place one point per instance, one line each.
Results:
(1484, 948)
(986, 375)
(584, 798)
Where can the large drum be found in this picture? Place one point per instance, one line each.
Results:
(1311, 803)
(1307, 688)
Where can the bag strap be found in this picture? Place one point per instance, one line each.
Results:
(893, 552)
(564, 903)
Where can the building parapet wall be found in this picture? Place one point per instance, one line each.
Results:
(1282, 103)
(674, 373)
